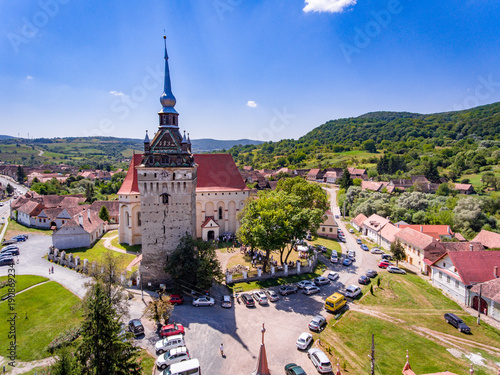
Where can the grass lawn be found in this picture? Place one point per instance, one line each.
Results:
(329, 244)
(245, 260)
(147, 362)
(96, 252)
(23, 282)
(15, 228)
(134, 249)
(40, 318)
(320, 268)
(409, 303)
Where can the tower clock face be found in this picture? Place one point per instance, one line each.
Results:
(164, 175)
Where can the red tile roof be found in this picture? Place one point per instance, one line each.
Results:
(488, 239)
(415, 238)
(489, 289)
(207, 220)
(130, 185)
(375, 222)
(431, 230)
(31, 208)
(218, 172)
(474, 266)
(358, 220)
(389, 232)
(436, 249)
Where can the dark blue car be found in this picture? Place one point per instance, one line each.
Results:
(347, 262)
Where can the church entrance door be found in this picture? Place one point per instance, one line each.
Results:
(210, 235)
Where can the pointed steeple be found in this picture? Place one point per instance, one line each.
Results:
(189, 140)
(146, 138)
(184, 140)
(167, 99)
(262, 366)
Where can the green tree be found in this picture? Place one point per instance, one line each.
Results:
(159, 309)
(345, 181)
(369, 145)
(431, 171)
(194, 264)
(104, 214)
(20, 174)
(103, 350)
(443, 189)
(89, 193)
(398, 253)
(65, 364)
(9, 189)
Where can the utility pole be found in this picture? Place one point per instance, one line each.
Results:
(373, 355)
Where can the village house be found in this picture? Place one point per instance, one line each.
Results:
(485, 297)
(456, 272)
(357, 222)
(388, 235)
(489, 240)
(438, 232)
(373, 185)
(414, 244)
(329, 227)
(464, 188)
(82, 230)
(357, 173)
(372, 226)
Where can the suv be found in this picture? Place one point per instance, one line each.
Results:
(260, 297)
(168, 343)
(136, 327)
(317, 323)
(319, 360)
(334, 258)
(456, 322)
(172, 356)
(287, 289)
(320, 280)
(352, 291)
(352, 254)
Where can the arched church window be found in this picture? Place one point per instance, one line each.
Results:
(127, 219)
(220, 213)
(139, 219)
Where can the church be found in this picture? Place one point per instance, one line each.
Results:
(168, 192)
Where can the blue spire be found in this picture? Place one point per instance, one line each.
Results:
(167, 99)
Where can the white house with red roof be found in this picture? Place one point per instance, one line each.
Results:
(357, 222)
(372, 226)
(456, 272)
(329, 227)
(82, 230)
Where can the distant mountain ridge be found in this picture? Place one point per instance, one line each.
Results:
(5, 136)
(209, 144)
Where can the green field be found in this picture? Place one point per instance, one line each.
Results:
(329, 244)
(23, 282)
(40, 318)
(15, 228)
(133, 249)
(406, 313)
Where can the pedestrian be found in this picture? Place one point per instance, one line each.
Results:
(52, 269)
(49, 270)
(222, 350)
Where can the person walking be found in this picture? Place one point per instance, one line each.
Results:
(52, 269)
(222, 350)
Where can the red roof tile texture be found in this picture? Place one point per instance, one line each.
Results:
(218, 172)
(415, 238)
(475, 266)
(488, 239)
(130, 184)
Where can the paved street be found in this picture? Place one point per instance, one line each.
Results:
(238, 328)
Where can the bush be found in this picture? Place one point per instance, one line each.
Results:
(64, 338)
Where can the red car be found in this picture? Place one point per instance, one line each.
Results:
(176, 299)
(384, 264)
(171, 329)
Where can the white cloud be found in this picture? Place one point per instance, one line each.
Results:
(251, 104)
(117, 93)
(29, 78)
(331, 6)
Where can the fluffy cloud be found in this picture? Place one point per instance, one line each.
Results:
(251, 104)
(332, 6)
(117, 93)
(29, 78)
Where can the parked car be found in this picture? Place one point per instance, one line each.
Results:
(135, 326)
(287, 289)
(456, 322)
(371, 273)
(333, 275)
(364, 247)
(8, 242)
(226, 301)
(168, 343)
(260, 297)
(6, 256)
(334, 258)
(347, 262)
(304, 340)
(342, 239)
(9, 247)
(302, 284)
(386, 257)
(19, 238)
(394, 269)
(247, 300)
(7, 261)
(358, 241)
(376, 250)
(351, 254)
(309, 237)
(203, 301)
(364, 280)
(171, 329)
(351, 230)
(311, 289)
(172, 356)
(336, 216)
(272, 295)
(352, 291)
(321, 248)
(319, 360)
(320, 280)
(293, 369)
(384, 264)
(317, 323)
(10, 251)
(176, 299)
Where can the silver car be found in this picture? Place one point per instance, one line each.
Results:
(260, 297)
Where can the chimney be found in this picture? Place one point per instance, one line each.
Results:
(88, 213)
(471, 247)
(80, 220)
(421, 228)
(495, 271)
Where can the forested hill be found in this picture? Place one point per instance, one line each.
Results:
(481, 121)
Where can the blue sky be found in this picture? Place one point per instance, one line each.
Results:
(263, 70)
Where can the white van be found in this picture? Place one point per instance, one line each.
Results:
(164, 345)
(191, 367)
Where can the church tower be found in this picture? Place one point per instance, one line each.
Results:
(167, 184)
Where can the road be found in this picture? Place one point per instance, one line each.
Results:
(5, 208)
(238, 328)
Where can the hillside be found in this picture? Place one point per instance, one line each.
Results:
(208, 144)
(481, 121)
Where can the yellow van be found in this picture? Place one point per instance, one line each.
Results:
(335, 302)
